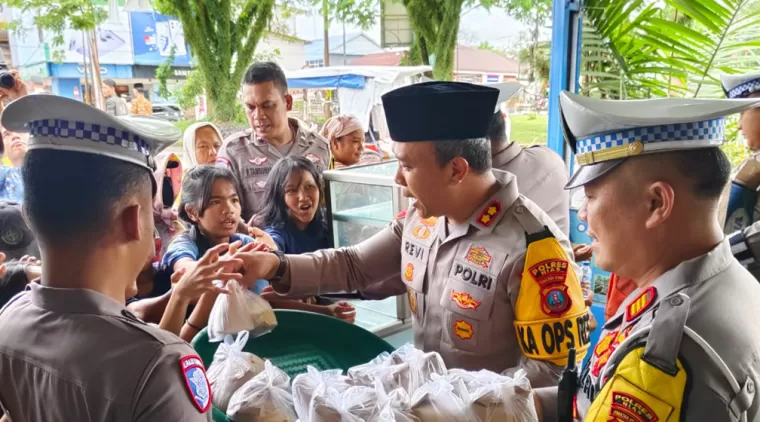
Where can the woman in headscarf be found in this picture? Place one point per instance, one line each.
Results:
(201, 143)
(346, 137)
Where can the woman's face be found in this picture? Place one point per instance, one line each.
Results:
(221, 217)
(302, 198)
(15, 144)
(749, 124)
(347, 149)
(207, 145)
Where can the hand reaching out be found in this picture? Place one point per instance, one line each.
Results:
(3, 266)
(191, 284)
(262, 236)
(342, 310)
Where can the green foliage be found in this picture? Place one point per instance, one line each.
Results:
(223, 35)
(529, 129)
(164, 71)
(55, 16)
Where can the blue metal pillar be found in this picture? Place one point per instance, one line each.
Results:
(564, 66)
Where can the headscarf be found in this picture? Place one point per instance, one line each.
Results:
(188, 141)
(340, 125)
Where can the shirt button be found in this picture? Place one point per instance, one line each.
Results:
(520, 209)
(750, 386)
(676, 301)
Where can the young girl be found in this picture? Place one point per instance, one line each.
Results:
(210, 207)
(295, 219)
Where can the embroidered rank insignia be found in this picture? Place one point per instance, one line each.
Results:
(409, 272)
(464, 301)
(489, 213)
(463, 329)
(606, 346)
(223, 162)
(627, 408)
(402, 214)
(554, 300)
(479, 256)
(313, 158)
(641, 303)
(421, 232)
(196, 381)
(257, 161)
(412, 301)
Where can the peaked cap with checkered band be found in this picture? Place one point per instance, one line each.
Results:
(62, 123)
(740, 86)
(603, 133)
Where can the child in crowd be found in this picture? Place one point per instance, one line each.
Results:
(295, 219)
(11, 183)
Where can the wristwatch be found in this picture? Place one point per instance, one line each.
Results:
(281, 268)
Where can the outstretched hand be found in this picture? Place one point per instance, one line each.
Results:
(19, 89)
(191, 284)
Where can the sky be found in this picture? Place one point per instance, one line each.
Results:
(477, 25)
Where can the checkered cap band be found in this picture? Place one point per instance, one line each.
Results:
(745, 89)
(91, 131)
(706, 130)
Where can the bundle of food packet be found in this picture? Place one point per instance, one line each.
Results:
(240, 310)
(355, 404)
(406, 368)
(305, 386)
(395, 406)
(265, 398)
(231, 368)
(441, 400)
(498, 398)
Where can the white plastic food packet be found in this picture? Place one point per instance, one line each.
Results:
(355, 404)
(498, 398)
(305, 386)
(395, 406)
(441, 400)
(240, 310)
(265, 398)
(406, 368)
(231, 368)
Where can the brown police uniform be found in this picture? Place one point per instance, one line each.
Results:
(92, 360)
(463, 281)
(541, 176)
(251, 159)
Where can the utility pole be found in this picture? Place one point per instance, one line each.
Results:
(97, 87)
(326, 19)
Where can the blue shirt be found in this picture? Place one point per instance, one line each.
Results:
(291, 240)
(192, 244)
(11, 184)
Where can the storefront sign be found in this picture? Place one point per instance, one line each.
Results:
(154, 35)
(149, 72)
(74, 70)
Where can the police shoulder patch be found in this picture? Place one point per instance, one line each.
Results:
(196, 382)
(641, 303)
(626, 407)
(402, 214)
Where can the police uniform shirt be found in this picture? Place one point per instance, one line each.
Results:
(541, 176)
(723, 311)
(76, 355)
(251, 159)
(463, 281)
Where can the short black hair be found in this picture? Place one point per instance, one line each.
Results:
(139, 87)
(197, 187)
(261, 72)
(275, 212)
(477, 152)
(110, 82)
(497, 130)
(707, 170)
(68, 195)
(13, 282)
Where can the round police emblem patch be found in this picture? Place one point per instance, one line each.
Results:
(12, 236)
(555, 300)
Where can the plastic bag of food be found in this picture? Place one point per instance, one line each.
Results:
(231, 368)
(406, 368)
(395, 406)
(305, 386)
(240, 310)
(498, 398)
(355, 404)
(442, 400)
(265, 398)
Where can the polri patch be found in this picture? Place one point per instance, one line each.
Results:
(409, 272)
(196, 382)
(313, 158)
(429, 222)
(412, 301)
(555, 301)
(489, 213)
(641, 303)
(550, 271)
(479, 256)
(464, 300)
(625, 407)
(421, 232)
(257, 161)
(463, 329)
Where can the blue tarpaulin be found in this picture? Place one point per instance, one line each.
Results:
(337, 81)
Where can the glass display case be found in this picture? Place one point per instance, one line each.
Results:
(362, 200)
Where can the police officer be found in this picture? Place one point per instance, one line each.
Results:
(541, 173)
(70, 350)
(489, 285)
(744, 229)
(273, 135)
(685, 344)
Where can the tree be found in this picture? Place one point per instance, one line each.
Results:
(361, 13)
(56, 16)
(223, 35)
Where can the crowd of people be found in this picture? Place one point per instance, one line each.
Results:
(125, 241)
